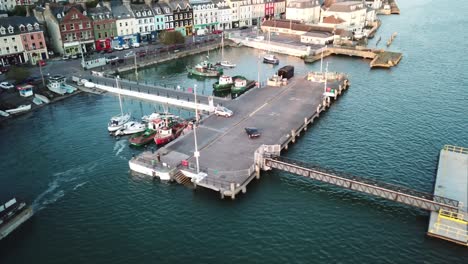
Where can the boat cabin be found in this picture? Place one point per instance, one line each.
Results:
(224, 79)
(286, 72)
(240, 82)
(25, 90)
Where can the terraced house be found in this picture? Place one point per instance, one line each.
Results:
(224, 14)
(144, 22)
(125, 25)
(104, 27)
(159, 22)
(21, 40)
(183, 16)
(69, 29)
(168, 17)
(205, 15)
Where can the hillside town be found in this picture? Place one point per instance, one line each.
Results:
(60, 28)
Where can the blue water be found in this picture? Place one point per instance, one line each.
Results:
(390, 126)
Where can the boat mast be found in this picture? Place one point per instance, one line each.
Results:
(196, 153)
(120, 98)
(222, 46)
(326, 73)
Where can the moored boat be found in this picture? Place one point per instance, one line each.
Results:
(142, 138)
(117, 122)
(131, 127)
(12, 215)
(227, 64)
(57, 85)
(205, 69)
(271, 59)
(3, 113)
(166, 134)
(42, 98)
(241, 84)
(156, 115)
(223, 84)
(19, 109)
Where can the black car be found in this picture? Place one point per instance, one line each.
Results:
(244, 27)
(252, 132)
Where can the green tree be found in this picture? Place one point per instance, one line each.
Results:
(18, 11)
(18, 74)
(171, 37)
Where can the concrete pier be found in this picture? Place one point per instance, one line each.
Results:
(227, 154)
(451, 182)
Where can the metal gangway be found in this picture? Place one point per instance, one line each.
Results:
(388, 191)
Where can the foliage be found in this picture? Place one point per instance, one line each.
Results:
(171, 37)
(18, 11)
(18, 74)
(92, 4)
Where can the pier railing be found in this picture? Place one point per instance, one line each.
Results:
(456, 149)
(388, 191)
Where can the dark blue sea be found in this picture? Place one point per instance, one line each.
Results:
(390, 125)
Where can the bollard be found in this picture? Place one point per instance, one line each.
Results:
(293, 135)
(305, 123)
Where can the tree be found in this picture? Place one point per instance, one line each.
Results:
(18, 73)
(171, 37)
(18, 11)
(91, 4)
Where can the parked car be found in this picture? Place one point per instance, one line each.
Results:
(252, 132)
(4, 69)
(217, 31)
(129, 54)
(42, 63)
(135, 45)
(65, 57)
(111, 59)
(244, 27)
(125, 46)
(74, 56)
(223, 111)
(6, 85)
(118, 48)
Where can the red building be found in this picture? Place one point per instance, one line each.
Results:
(269, 8)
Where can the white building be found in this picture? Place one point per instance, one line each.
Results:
(258, 11)
(224, 14)
(144, 21)
(317, 38)
(205, 15)
(307, 11)
(280, 8)
(353, 13)
(374, 4)
(245, 13)
(235, 10)
(125, 21)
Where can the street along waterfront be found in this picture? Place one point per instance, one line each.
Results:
(389, 126)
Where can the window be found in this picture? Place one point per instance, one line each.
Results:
(120, 23)
(99, 35)
(2, 30)
(176, 24)
(98, 27)
(26, 47)
(105, 34)
(10, 29)
(24, 37)
(13, 39)
(41, 45)
(32, 37)
(126, 24)
(145, 21)
(36, 26)
(74, 36)
(88, 25)
(33, 46)
(22, 29)
(16, 48)
(72, 27)
(30, 28)
(151, 20)
(80, 26)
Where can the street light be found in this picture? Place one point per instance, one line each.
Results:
(40, 69)
(196, 153)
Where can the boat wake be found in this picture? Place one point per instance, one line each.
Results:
(119, 146)
(60, 185)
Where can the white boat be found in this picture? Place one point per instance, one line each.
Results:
(117, 122)
(19, 109)
(42, 98)
(131, 128)
(225, 63)
(271, 59)
(57, 85)
(157, 115)
(3, 113)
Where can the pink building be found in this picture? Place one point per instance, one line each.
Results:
(34, 45)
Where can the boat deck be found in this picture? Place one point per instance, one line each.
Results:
(451, 182)
(226, 152)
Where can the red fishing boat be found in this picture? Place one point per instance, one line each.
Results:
(167, 134)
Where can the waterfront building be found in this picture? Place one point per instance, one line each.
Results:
(374, 4)
(353, 13)
(269, 9)
(307, 11)
(234, 7)
(182, 14)
(69, 29)
(224, 14)
(144, 22)
(295, 27)
(159, 23)
(258, 11)
(125, 25)
(104, 27)
(318, 37)
(279, 8)
(168, 16)
(21, 40)
(245, 13)
(205, 15)
(333, 22)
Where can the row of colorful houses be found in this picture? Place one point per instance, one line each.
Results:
(114, 23)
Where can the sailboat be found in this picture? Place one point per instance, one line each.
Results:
(225, 63)
(270, 58)
(328, 91)
(117, 122)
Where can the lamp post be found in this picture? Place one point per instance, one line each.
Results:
(196, 153)
(136, 67)
(40, 69)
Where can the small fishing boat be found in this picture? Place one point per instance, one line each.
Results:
(227, 64)
(271, 59)
(42, 98)
(37, 101)
(241, 84)
(166, 134)
(19, 109)
(57, 85)
(205, 69)
(131, 127)
(117, 122)
(142, 138)
(12, 215)
(223, 84)
(157, 115)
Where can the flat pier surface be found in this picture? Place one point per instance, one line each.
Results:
(451, 182)
(226, 152)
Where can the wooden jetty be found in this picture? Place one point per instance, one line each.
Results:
(390, 40)
(451, 182)
(394, 10)
(379, 58)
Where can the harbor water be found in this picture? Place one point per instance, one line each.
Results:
(390, 126)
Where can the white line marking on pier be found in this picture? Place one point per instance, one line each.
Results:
(258, 109)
